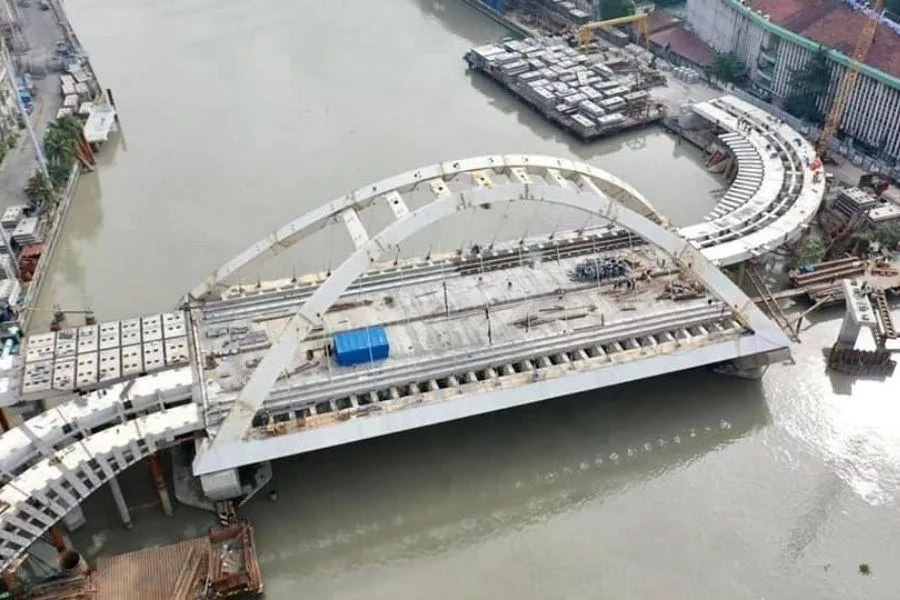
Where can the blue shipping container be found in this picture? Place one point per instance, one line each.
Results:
(360, 346)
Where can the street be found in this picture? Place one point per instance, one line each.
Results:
(41, 32)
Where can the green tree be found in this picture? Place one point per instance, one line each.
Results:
(811, 251)
(888, 236)
(60, 148)
(38, 189)
(613, 9)
(809, 86)
(729, 67)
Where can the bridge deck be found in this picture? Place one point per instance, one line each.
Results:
(495, 317)
(777, 190)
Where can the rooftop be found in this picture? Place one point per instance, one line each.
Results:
(834, 24)
(685, 44)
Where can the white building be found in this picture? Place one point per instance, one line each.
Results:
(775, 38)
(9, 110)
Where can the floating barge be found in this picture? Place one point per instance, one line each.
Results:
(222, 565)
(567, 87)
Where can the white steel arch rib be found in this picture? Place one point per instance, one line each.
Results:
(788, 191)
(579, 193)
(519, 166)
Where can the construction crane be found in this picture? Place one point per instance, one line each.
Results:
(848, 82)
(642, 20)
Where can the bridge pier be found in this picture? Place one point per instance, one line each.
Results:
(74, 519)
(117, 495)
(859, 312)
(159, 480)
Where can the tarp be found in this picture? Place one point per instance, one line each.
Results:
(360, 346)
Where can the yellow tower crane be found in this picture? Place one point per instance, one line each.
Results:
(642, 21)
(848, 82)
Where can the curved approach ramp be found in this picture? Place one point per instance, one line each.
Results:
(52, 462)
(778, 189)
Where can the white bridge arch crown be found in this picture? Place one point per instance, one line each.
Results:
(487, 180)
(472, 173)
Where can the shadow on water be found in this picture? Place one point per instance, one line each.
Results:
(437, 489)
(110, 150)
(442, 488)
(84, 221)
(67, 270)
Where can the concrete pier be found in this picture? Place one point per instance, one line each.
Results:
(159, 481)
(119, 498)
(74, 519)
(858, 314)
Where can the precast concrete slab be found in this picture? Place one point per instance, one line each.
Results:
(87, 358)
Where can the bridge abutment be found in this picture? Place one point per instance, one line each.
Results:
(221, 485)
(859, 312)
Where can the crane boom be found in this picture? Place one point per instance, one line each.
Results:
(848, 82)
(642, 20)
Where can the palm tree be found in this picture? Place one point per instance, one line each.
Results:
(59, 147)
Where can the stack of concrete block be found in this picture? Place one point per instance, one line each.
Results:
(28, 231)
(11, 216)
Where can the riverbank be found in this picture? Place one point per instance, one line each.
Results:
(501, 18)
(56, 221)
(54, 79)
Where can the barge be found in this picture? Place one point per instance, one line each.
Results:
(584, 98)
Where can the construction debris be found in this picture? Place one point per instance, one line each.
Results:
(600, 269)
(679, 289)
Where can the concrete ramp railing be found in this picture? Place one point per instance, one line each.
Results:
(54, 461)
(59, 426)
(778, 189)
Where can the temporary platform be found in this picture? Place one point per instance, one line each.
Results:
(221, 565)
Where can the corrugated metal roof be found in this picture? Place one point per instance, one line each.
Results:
(685, 44)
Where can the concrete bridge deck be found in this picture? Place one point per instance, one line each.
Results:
(246, 367)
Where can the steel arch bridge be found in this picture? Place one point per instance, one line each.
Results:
(52, 462)
(454, 187)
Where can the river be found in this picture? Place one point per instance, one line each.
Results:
(239, 116)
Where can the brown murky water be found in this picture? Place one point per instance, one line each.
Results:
(241, 115)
